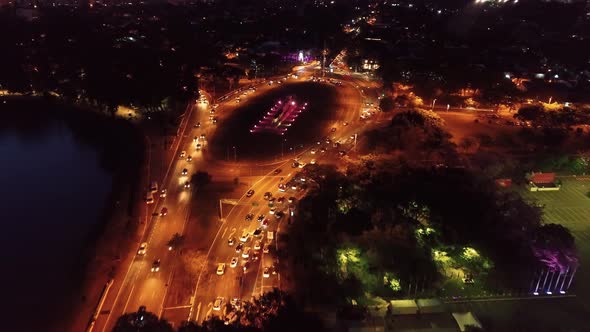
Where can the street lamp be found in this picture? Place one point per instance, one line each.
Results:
(235, 154)
(433, 103)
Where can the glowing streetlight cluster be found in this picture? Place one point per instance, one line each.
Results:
(280, 117)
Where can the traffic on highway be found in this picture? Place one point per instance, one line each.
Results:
(241, 260)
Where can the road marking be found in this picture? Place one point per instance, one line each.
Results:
(225, 230)
(179, 307)
(198, 312)
(166, 287)
(128, 299)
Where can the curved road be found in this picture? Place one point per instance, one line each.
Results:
(142, 287)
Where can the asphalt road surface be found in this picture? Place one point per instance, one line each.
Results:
(143, 287)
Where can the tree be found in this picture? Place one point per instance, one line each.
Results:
(555, 248)
(387, 104)
(142, 321)
(533, 113)
(201, 178)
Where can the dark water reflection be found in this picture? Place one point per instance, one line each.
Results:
(52, 194)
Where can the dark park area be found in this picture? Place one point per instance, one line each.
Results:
(235, 131)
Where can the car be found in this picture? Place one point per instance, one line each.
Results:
(265, 248)
(292, 200)
(236, 302)
(184, 172)
(182, 154)
(218, 303)
(267, 195)
(295, 164)
(202, 136)
(163, 193)
(258, 232)
(272, 210)
(212, 111)
(261, 218)
(279, 214)
(264, 223)
(154, 187)
(231, 241)
(271, 201)
(282, 187)
(246, 266)
(189, 159)
(257, 245)
(266, 272)
(149, 199)
(214, 119)
(294, 186)
(142, 248)
(341, 153)
(238, 100)
(198, 125)
(313, 151)
(249, 217)
(313, 162)
(277, 171)
(301, 165)
(333, 129)
(234, 262)
(239, 247)
(250, 193)
(328, 141)
(163, 211)
(195, 139)
(246, 252)
(187, 184)
(336, 145)
(345, 124)
(198, 146)
(281, 200)
(220, 269)
(323, 150)
(156, 265)
(245, 236)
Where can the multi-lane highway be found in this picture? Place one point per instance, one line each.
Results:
(142, 285)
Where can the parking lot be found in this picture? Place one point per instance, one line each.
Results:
(570, 207)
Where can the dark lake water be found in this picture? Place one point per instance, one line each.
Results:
(52, 194)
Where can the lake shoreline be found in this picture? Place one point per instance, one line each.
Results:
(116, 228)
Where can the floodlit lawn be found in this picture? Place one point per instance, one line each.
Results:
(570, 207)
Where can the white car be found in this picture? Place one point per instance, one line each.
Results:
(217, 304)
(246, 252)
(220, 269)
(313, 161)
(266, 272)
(245, 236)
(142, 248)
(189, 159)
(313, 151)
(149, 199)
(266, 248)
(234, 262)
(257, 245)
(163, 193)
(182, 154)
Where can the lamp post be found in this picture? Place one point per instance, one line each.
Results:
(433, 103)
